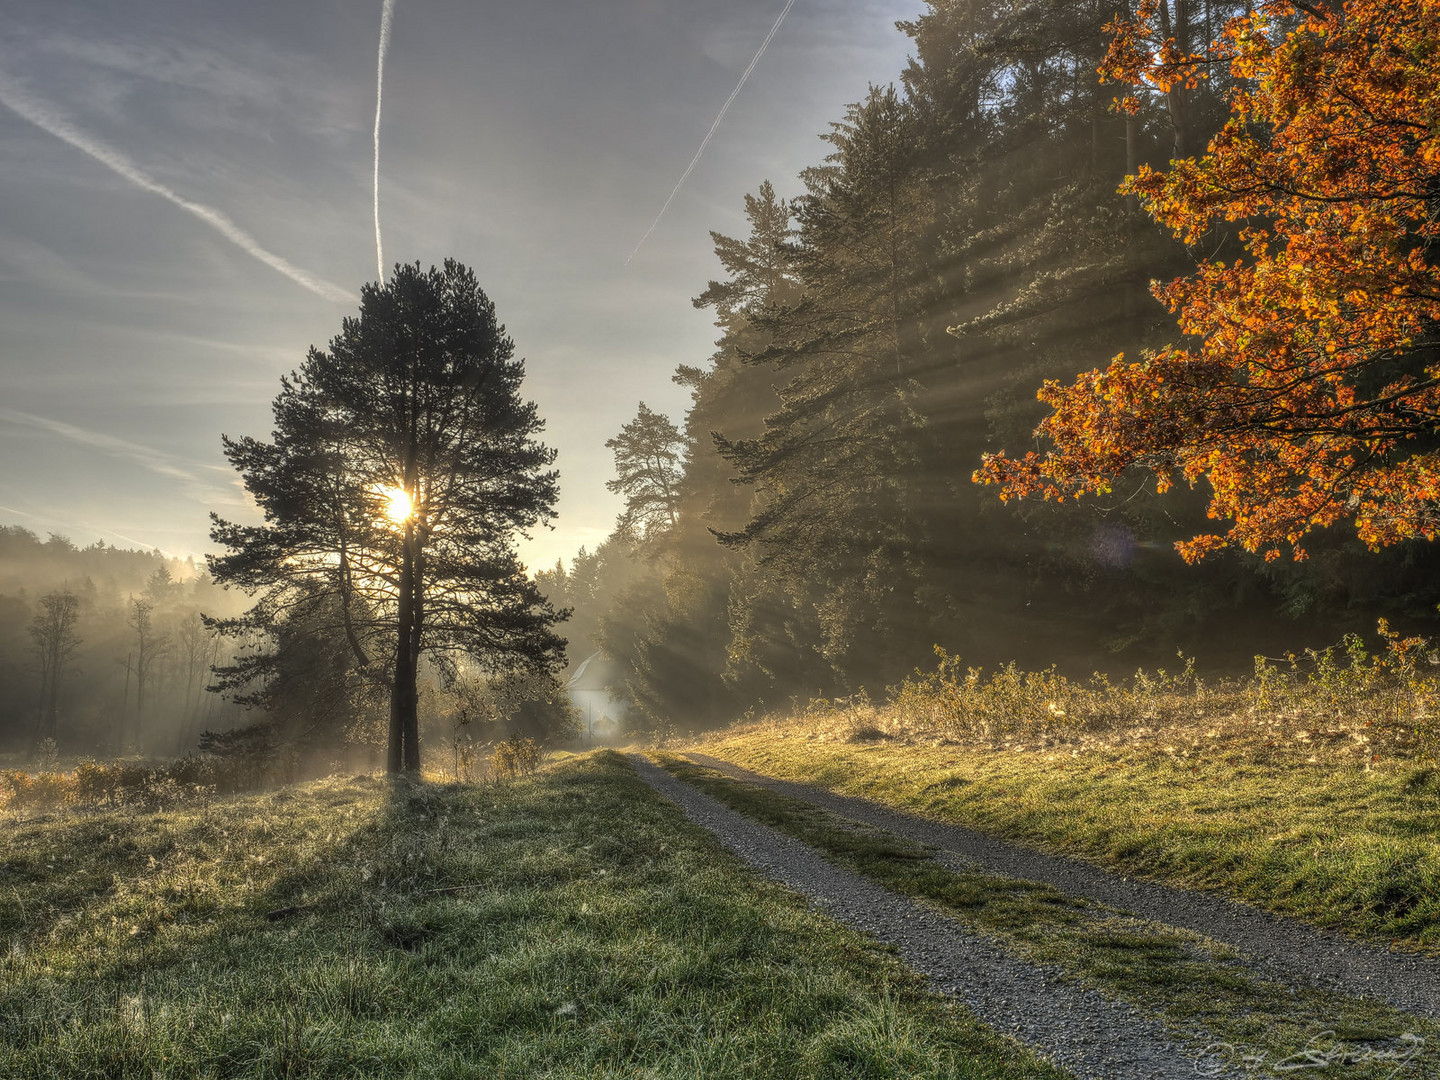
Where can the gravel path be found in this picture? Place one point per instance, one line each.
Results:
(1284, 947)
(1070, 1025)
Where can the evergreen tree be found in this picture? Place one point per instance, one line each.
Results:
(964, 242)
(647, 473)
(402, 467)
(836, 468)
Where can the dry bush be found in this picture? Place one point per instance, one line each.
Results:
(94, 785)
(1344, 701)
(516, 756)
(1010, 703)
(854, 719)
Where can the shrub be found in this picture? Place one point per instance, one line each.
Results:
(1344, 697)
(516, 756)
(1010, 702)
(94, 785)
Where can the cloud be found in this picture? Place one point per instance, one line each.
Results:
(146, 457)
(72, 527)
(240, 89)
(23, 261)
(45, 118)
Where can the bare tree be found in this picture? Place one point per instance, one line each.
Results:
(53, 631)
(149, 647)
(195, 648)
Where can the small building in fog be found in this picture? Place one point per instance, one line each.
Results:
(602, 714)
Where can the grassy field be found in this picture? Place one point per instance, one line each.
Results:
(1314, 796)
(567, 925)
(1189, 981)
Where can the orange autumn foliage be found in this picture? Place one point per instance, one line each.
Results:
(1307, 388)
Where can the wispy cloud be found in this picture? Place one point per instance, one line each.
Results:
(78, 527)
(47, 119)
(190, 476)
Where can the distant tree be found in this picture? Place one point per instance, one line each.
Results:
(584, 590)
(648, 468)
(403, 465)
(1309, 389)
(150, 645)
(304, 679)
(53, 631)
(161, 587)
(195, 653)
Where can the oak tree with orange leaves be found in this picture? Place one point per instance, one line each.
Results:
(1307, 388)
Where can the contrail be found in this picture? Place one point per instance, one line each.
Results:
(47, 120)
(713, 128)
(387, 14)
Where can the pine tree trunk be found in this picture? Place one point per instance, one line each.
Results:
(52, 708)
(417, 622)
(404, 748)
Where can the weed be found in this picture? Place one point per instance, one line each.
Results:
(516, 756)
(95, 786)
(1371, 705)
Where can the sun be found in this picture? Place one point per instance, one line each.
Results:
(398, 506)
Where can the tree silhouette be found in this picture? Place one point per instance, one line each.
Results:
(53, 631)
(648, 456)
(195, 653)
(419, 395)
(149, 647)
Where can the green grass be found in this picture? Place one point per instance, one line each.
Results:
(1340, 844)
(1185, 979)
(568, 925)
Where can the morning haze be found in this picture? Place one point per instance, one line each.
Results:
(824, 550)
(535, 141)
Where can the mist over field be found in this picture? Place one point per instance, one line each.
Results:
(116, 636)
(792, 512)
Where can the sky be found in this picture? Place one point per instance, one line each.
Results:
(186, 205)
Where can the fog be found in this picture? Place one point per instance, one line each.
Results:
(804, 521)
(130, 677)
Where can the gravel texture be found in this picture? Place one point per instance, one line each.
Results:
(1283, 947)
(1068, 1024)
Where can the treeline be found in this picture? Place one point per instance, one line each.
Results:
(811, 528)
(104, 652)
